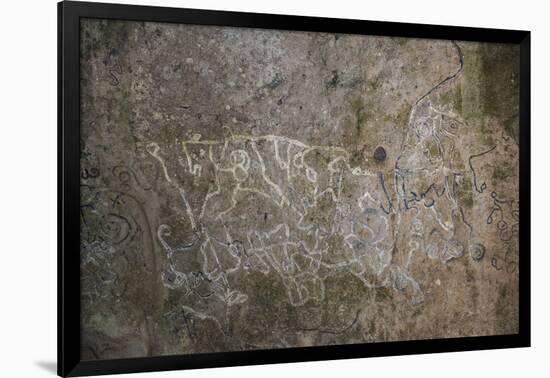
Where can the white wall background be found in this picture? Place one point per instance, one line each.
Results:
(28, 186)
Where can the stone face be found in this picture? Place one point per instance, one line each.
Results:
(245, 189)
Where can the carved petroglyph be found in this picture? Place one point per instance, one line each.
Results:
(293, 252)
(297, 250)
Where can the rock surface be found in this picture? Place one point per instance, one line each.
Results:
(233, 196)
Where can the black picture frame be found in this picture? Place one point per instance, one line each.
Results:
(69, 15)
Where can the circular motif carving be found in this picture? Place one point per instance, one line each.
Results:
(477, 251)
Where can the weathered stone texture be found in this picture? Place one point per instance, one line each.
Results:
(246, 189)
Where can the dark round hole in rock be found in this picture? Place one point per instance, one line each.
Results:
(380, 153)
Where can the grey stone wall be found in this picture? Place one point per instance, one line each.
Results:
(245, 189)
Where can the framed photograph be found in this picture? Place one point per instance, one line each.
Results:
(239, 188)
